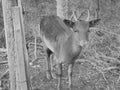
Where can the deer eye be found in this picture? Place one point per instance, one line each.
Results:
(76, 31)
(88, 31)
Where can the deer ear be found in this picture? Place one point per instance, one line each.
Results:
(69, 23)
(94, 22)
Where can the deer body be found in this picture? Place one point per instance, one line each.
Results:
(60, 39)
(63, 41)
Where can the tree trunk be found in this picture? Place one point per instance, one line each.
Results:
(8, 25)
(62, 8)
(26, 62)
(19, 78)
(19, 47)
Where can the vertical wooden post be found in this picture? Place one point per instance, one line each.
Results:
(19, 51)
(20, 60)
(24, 48)
(8, 25)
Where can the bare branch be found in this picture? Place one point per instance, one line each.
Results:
(87, 19)
(4, 62)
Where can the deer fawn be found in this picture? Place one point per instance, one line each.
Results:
(65, 39)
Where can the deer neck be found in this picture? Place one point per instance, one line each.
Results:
(75, 43)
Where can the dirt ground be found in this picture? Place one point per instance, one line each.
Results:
(85, 77)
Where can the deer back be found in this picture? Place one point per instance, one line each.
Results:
(54, 32)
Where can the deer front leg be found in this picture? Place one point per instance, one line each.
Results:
(49, 75)
(70, 70)
(59, 75)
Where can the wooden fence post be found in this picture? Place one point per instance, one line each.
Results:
(24, 47)
(19, 47)
(15, 44)
(8, 25)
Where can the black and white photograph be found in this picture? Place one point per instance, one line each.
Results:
(59, 44)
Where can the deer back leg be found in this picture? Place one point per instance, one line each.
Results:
(70, 71)
(49, 53)
(59, 75)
